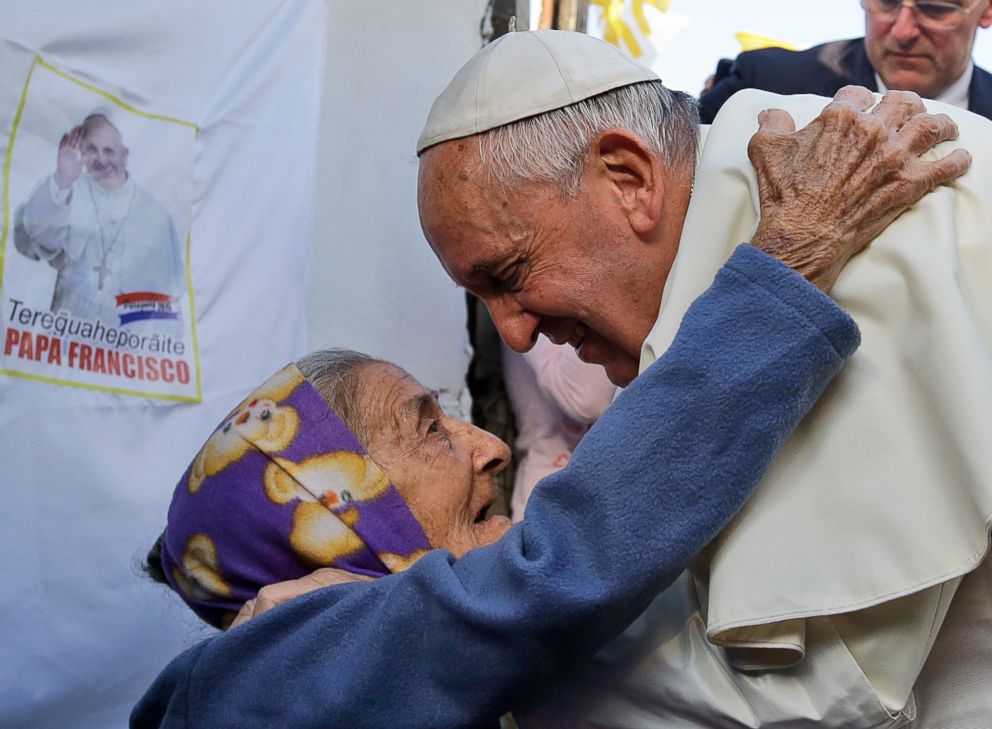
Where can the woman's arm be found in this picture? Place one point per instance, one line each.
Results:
(453, 643)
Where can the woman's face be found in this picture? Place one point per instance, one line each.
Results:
(443, 468)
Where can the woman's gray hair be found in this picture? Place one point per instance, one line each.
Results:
(551, 147)
(337, 375)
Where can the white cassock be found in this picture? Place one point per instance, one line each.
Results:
(102, 244)
(836, 589)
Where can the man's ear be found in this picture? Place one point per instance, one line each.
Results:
(633, 174)
(986, 18)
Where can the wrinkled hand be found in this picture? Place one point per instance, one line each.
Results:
(271, 596)
(829, 189)
(69, 163)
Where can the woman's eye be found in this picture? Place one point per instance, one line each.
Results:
(435, 429)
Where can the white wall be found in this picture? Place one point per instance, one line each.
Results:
(376, 285)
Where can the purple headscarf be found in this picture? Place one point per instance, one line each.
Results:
(281, 488)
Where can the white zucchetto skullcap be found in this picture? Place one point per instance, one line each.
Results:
(524, 74)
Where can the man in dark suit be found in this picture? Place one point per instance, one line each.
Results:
(917, 45)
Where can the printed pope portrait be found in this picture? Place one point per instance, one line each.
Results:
(95, 280)
(113, 246)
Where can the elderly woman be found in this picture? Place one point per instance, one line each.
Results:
(346, 461)
(296, 489)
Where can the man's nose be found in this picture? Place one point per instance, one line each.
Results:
(517, 326)
(904, 27)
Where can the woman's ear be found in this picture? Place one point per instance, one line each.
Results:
(633, 174)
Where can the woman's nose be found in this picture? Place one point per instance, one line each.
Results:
(491, 455)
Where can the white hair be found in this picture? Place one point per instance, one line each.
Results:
(337, 375)
(551, 147)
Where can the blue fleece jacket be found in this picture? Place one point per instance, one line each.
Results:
(456, 643)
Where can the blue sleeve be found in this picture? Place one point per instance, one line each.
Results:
(453, 643)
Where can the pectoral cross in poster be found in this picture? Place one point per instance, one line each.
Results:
(103, 270)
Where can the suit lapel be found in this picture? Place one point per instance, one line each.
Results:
(856, 66)
(980, 93)
(845, 62)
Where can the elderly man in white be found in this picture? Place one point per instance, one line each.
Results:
(104, 234)
(560, 183)
(822, 602)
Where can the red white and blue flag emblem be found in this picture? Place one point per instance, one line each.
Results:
(142, 305)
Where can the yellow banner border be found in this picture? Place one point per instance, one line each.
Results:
(39, 61)
(101, 388)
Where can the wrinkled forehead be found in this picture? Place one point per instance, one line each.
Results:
(450, 194)
(467, 217)
(451, 173)
(393, 398)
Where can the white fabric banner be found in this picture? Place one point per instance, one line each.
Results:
(157, 188)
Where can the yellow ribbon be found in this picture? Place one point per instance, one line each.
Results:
(754, 41)
(615, 27)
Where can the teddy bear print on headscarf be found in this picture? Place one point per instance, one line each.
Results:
(327, 488)
(258, 422)
(200, 576)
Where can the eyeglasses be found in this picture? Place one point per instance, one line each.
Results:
(928, 13)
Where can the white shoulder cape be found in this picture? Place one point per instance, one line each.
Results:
(882, 499)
